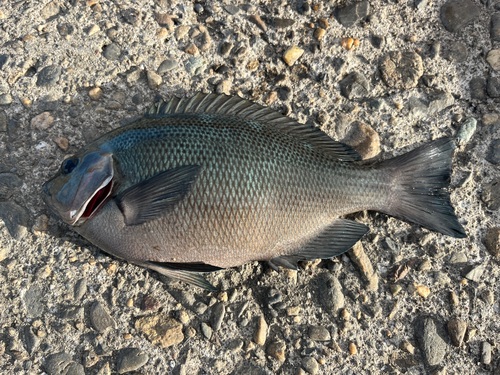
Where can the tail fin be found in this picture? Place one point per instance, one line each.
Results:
(419, 179)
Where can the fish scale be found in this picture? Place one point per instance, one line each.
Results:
(214, 181)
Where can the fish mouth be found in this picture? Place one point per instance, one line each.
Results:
(94, 203)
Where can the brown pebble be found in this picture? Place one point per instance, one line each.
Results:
(63, 143)
(349, 43)
(191, 49)
(319, 33)
(352, 349)
(271, 97)
(423, 291)
(456, 329)
(292, 54)
(323, 22)
(130, 302)
(162, 33)
(165, 20)
(253, 65)
(363, 139)
(95, 93)
(492, 241)
(408, 347)
(154, 79)
(261, 332)
(277, 350)
(127, 336)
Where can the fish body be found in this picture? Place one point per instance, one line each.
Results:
(214, 181)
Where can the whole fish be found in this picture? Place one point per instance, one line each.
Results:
(214, 181)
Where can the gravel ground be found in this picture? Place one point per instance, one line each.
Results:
(404, 300)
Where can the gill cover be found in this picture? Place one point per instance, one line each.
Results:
(81, 187)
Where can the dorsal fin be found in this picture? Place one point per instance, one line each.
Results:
(235, 106)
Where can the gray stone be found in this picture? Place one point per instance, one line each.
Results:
(99, 318)
(218, 312)
(319, 333)
(467, 130)
(166, 66)
(458, 258)
(16, 219)
(494, 152)
(435, 49)
(130, 359)
(439, 100)
(456, 329)
(49, 75)
(491, 194)
(283, 22)
(417, 106)
(132, 16)
(476, 273)
(310, 365)
(112, 52)
(330, 293)
(378, 41)
(50, 10)
(8, 185)
(226, 48)
(495, 27)
(3, 60)
(206, 330)
(195, 65)
(349, 15)
(456, 14)
(33, 301)
(428, 335)
(355, 85)
(5, 99)
(62, 364)
(401, 70)
(231, 9)
(421, 4)
(493, 87)
(456, 52)
(72, 313)
(477, 86)
(80, 288)
(486, 353)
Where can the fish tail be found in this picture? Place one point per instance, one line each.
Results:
(419, 180)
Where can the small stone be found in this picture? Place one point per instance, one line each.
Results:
(456, 329)
(477, 87)
(456, 14)
(441, 278)
(195, 65)
(5, 99)
(323, 23)
(408, 347)
(130, 359)
(255, 19)
(467, 130)
(283, 22)
(476, 273)
(166, 66)
(231, 9)
(492, 241)
(32, 341)
(401, 70)
(395, 289)
(310, 365)
(293, 311)
(453, 298)
(235, 345)
(378, 41)
(432, 346)
(354, 86)
(353, 350)
(455, 52)
(486, 353)
(42, 121)
(94, 30)
(224, 87)
(112, 52)
(49, 75)
(493, 87)
(95, 93)
(50, 10)
(162, 33)
(363, 139)
(292, 54)
(318, 333)
(99, 318)
(423, 291)
(491, 195)
(62, 363)
(330, 292)
(80, 289)
(206, 330)
(425, 266)
(319, 33)
(15, 218)
(161, 330)
(191, 49)
(487, 296)
(494, 152)
(261, 333)
(277, 350)
(150, 303)
(349, 15)
(226, 48)
(165, 20)
(63, 143)
(65, 29)
(359, 257)
(154, 80)
(132, 16)
(493, 58)
(349, 43)
(218, 312)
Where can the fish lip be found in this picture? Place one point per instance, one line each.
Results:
(76, 215)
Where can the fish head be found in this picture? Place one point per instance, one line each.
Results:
(81, 187)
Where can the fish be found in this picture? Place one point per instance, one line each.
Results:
(213, 181)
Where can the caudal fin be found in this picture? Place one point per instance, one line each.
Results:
(418, 194)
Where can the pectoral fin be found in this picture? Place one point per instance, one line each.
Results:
(151, 198)
(334, 240)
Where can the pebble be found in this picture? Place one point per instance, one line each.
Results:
(224, 87)
(260, 335)
(378, 41)
(31, 340)
(231, 9)
(487, 296)
(130, 359)
(455, 14)
(15, 218)
(493, 87)
(33, 301)
(226, 48)
(167, 65)
(206, 330)
(319, 33)
(492, 241)
(330, 293)
(349, 15)
(65, 29)
(50, 10)
(319, 333)
(191, 49)
(154, 80)
(218, 313)
(150, 303)
(80, 289)
(293, 311)
(423, 291)
(477, 87)
(62, 364)
(493, 155)
(401, 70)
(5, 99)
(48, 76)
(63, 143)
(408, 347)
(277, 350)
(303, 7)
(458, 258)
(255, 19)
(112, 52)
(359, 257)
(441, 278)
(161, 330)
(366, 141)
(486, 353)
(476, 273)
(432, 345)
(493, 58)
(42, 121)
(100, 318)
(72, 313)
(353, 350)
(195, 65)
(456, 329)
(467, 130)
(292, 54)
(310, 365)
(355, 85)
(93, 30)
(453, 298)
(283, 22)
(455, 52)
(495, 27)
(9, 184)
(235, 345)
(491, 195)
(349, 43)
(95, 93)
(132, 16)
(164, 19)
(434, 50)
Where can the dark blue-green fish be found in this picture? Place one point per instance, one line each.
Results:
(214, 181)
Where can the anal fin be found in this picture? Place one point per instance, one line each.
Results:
(335, 239)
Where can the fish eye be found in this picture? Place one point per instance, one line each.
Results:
(68, 165)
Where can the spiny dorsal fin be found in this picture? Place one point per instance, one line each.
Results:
(235, 106)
